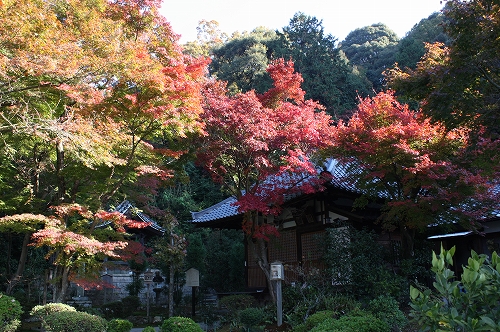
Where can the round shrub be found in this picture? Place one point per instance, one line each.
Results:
(314, 320)
(10, 313)
(69, 321)
(250, 317)
(386, 308)
(119, 325)
(148, 329)
(180, 324)
(364, 323)
(42, 311)
(235, 303)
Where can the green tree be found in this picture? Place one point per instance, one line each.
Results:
(412, 46)
(86, 89)
(196, 255)
(208, 38)
(192, 190)
(459, 83)
(328, 76)
(242, 61)
(372, 48)
(225, 270)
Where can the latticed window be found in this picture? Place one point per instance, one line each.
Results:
(312, 246)
(284, 248)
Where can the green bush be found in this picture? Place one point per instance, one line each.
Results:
(148, 329)
(10, 313)
(69, 321)
(467, 304)
(360, 262)
(304, 299)
(250, 317)
(130, 304)
(119, 325)
(113, 310)
(42, 311)
(387, 309)
(237, 302)
(180, 324)
(358, 323)
(340, 304)
(314, 320)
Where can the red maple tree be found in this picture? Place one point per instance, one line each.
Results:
(79, 241)
(425, 173)
(259, 147)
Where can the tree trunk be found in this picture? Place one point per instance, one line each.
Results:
(171, 292)
(62, 286)
(16, 278)
(407, 241)
(61, 186)
(259, 249)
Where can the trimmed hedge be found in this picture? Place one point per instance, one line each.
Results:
(364, 323)
(42, 311)
(250, 317)
(314, 320)
(119, 325)
(69, 321)
(387, 309)
(180, 324)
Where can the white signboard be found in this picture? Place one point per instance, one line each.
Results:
(277, 271)
(192, 278)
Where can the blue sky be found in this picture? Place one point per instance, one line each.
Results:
(339, 17)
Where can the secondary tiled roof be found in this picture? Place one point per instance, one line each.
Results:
(221, 210)
(125, 207)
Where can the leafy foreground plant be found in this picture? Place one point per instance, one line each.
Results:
(469, 304)
(10, 313)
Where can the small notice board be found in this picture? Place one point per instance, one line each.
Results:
(192, 278)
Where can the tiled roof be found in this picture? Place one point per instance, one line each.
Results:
(126, 206)
(340, 175)
(221, 210)
(227, 208)
(342, 178)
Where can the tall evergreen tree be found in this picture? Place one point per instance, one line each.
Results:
(242, 61)
(328, 76)
(412, 47)
(372, 48)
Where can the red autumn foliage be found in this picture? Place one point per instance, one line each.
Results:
(425, 172)
(260, 146)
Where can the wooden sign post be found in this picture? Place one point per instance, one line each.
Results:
(278, 274)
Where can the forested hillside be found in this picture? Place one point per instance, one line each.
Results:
(336, 73)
